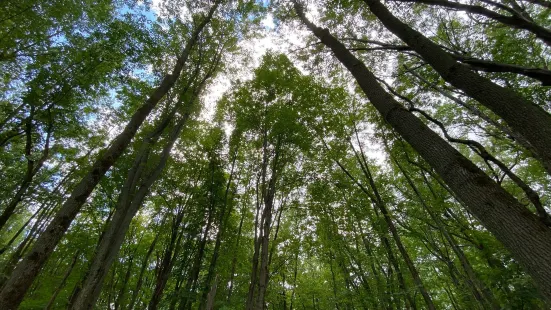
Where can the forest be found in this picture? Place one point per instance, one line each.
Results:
(275, 154)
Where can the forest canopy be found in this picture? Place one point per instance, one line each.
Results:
(284, 154)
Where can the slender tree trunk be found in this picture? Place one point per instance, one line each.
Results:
(131, 198)
(234, 260)
(27, 270)
(258, 231)
(116, 231)
(191, 283)
(63, 281)
(221, 230)
(32, 169)
(121, 297)
(167, 261)
(211, 295)
(145, 262)
(520, 231)
(473, 282)
(269, 191)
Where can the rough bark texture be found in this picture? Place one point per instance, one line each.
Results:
(521, 232)
(523, 116)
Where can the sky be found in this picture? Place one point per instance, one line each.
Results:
(277, 38)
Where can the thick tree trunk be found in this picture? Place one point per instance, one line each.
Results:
(523, 116)
(27, 270)
(520, 231)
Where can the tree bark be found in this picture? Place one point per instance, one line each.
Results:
(520, 231)
(27, 270)
(168, 260)
(234, 260)
(224, 215)
(116, 231)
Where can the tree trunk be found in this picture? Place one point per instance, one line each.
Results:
(191, 283)
(145, 262)
(234, 260)
(221, 230)
(116, 231)
(211, 295)
(27, 270)
(520, 231)
(167, 261)
(32, 169)
(63, 281)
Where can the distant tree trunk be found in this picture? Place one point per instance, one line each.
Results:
(167, 261)
(145, 262)
(520, 231)
(386, 295)
(121, 297)
(257, 233)
(268, 197)
(32, 168)
(211, 295)
(63, 281)
(472, 279)
(116, 230)
(234, 260)
(135, 189)
(191, 283)
(224, 215)
(27, 270)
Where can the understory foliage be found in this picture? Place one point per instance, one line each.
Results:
(399, 157)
